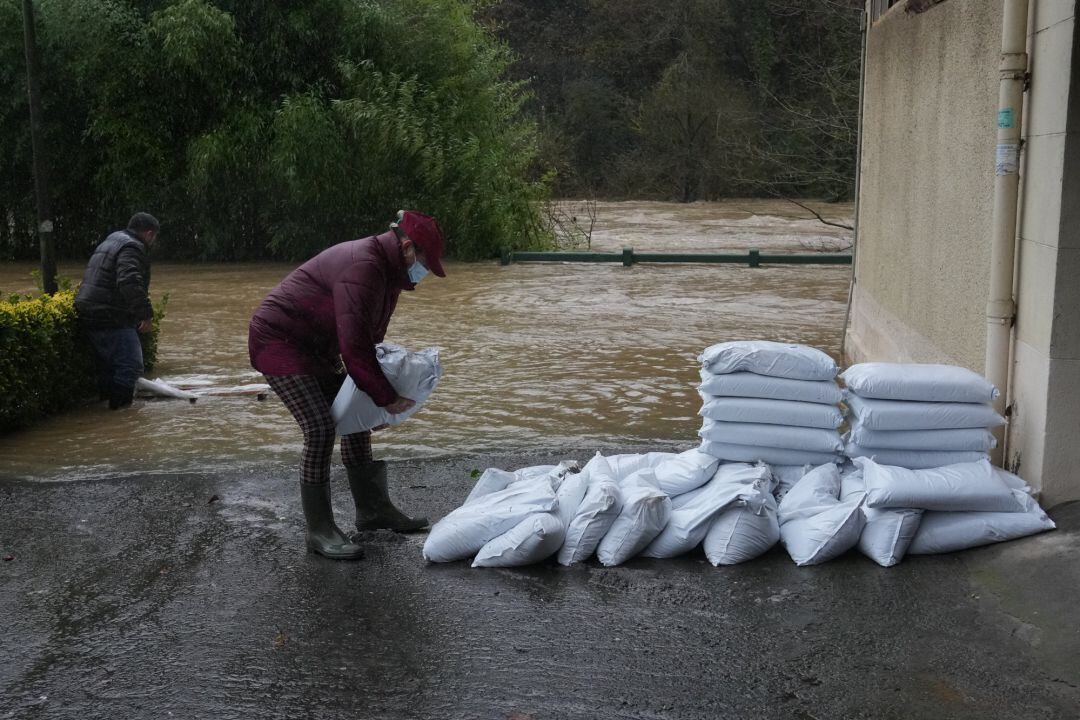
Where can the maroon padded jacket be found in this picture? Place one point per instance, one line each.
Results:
(339, 302)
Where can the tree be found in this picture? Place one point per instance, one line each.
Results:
(264, 129)
(690, 98)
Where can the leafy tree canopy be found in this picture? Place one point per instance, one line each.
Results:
(691, 99)
(263, 129)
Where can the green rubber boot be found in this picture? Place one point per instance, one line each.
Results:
(374, 511)
(323, 535)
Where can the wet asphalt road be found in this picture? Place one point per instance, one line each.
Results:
(192, 597)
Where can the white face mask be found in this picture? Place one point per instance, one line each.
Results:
(417, 272)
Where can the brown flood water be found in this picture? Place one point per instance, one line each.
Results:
(535, 355)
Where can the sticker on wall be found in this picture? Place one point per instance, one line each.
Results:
(1007, 160)
(1006, 118)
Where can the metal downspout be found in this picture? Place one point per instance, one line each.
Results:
(1000, 306)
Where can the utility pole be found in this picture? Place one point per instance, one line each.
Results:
(41, 182)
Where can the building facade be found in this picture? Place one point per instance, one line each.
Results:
(928, 160)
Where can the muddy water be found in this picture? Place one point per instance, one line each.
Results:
(535, 354)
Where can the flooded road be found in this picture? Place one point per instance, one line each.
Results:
(535, 355)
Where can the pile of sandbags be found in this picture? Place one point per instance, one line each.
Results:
(939, 510)
(769, 470)
(662, 505)
(769, 402)
(889, 511)
(918, 416)
(654, 504)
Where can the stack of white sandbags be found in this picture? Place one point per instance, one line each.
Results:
(769, 402)
(917, 415)
(939, 510)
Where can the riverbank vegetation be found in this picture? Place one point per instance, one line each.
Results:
(691, 99)
(46, 362)
(269, 130)
(262, 129)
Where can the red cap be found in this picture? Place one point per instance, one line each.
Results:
(426, 234)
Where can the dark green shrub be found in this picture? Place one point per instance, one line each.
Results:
(46, 363)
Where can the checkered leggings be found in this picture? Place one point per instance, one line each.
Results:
(309, 398)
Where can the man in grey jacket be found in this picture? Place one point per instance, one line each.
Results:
(113, 305)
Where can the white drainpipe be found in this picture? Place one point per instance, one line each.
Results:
(1000, 307)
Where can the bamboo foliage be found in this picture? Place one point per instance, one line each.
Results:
(262, 129)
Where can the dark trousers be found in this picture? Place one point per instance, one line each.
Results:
(120, 357)
(309, 398)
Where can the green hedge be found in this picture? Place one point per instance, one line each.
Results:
(46, 363)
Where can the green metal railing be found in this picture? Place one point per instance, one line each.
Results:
(753, 258)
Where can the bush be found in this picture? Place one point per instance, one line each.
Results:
(46, 363)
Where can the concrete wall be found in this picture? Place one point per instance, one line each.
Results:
(1045, 387)
(925, 207)
(927, 172)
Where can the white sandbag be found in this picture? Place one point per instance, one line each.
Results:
(913, 459)
(530, 541)
(770, 412)
(685, 471)
(851, 482)
(547, 473)
(645, 511)
(777, 436)
(798, 362)
(743, 474)
(570, 495)
(961, 487)
(412, 374)
(537, 472)
(888, 531)
(745, 530)
(1015, 482)
(825, 535)
(160, 388)
(942, 532)
(464, 531)
(906, 415)
(491, 480)
(595, 515)
(955, 440)
(888, 534)
(815, 526)
(690, 522)
(494, 479)
(914, 381)
(747, 384)
(622, 466)
(785, 477)
(773, 456)
(817, 490)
